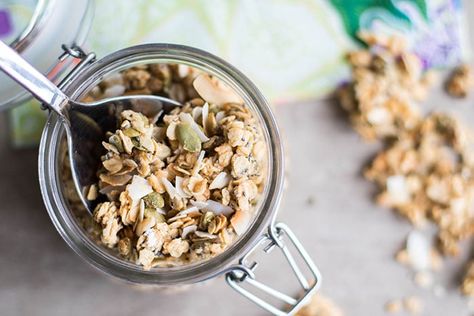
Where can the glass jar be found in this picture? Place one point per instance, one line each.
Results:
(233, 262)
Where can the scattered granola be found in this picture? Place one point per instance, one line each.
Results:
(387, 82)
(427, 174)
(460, 82)
(394, 306)
(320, 306)
(467, 286)
(183, 188)
(413, 305)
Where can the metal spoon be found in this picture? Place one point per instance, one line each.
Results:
(86, 123)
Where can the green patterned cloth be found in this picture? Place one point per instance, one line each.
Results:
(292, 49)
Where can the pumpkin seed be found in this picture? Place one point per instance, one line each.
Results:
(188, 138)
(154, 200)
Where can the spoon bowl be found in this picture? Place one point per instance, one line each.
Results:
(86, 123)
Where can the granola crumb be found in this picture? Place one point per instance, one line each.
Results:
(393, 306)
(320, 305)
(460, 82)
(413, 305)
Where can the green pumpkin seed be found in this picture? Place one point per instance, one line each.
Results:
(117, 142)
(188, 138)
(154, 200)
(131, 132)
(149, 213)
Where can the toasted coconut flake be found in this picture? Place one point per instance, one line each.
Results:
(198, 164)
(213, 206)
(215, 91)
(139, 188)
(115, 180)
(205, 114)
(220, 181)
(179, 188)
(187, 118)
(201, 234)
(240, 221)
(419, 250)
(188, 230)
(188, 211)
(219, 116)
(170, 189)
(197, 111)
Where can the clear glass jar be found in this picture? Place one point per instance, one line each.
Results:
(233, 261)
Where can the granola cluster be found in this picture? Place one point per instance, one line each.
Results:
(320, 306)
(428, 173)
(183, 187)
(387, 83)
(460, 82)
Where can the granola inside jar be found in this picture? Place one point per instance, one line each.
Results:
(178, 188)
(183, 197)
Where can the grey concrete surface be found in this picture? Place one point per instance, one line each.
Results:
(327, 203)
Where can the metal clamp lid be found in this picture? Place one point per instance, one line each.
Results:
(245, 271)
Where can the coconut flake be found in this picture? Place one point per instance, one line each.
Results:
(192, 209)
(187, 118)
(219, 116)
(188, 230)
(205, 235)
(418, 248)
(205, 113)
(198, 164)
(398, 189)
(160, 211)
(214, 91)
(138, 188)
(179, 187)
(240, 221)
(169, 187)
(196, 112)
(220, 181)
(213, 206)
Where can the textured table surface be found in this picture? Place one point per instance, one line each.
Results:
(327, 203)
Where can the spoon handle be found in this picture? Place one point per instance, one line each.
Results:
(31, 79)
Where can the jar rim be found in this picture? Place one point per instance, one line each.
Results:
(189, 273)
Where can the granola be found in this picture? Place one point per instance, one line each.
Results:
(182, 188)
(320, 306)
(387, 83)
(427, 174)
(460, 82)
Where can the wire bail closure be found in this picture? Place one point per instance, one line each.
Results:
(245, 271)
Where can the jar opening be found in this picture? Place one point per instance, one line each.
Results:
(170, 54)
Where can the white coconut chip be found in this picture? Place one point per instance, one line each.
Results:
(198, 165)
(240, 222)
(191, 210)
(219, 116)
(397, 188)
(418, 248)
(187, 118)
(215, 92)
(205, 114)
(196, 112)
(204, 235)
(169, 187)
(188, 230)
(213, 206)
(220, 181)
(138, 188)
(160, 211)
(179, 187)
